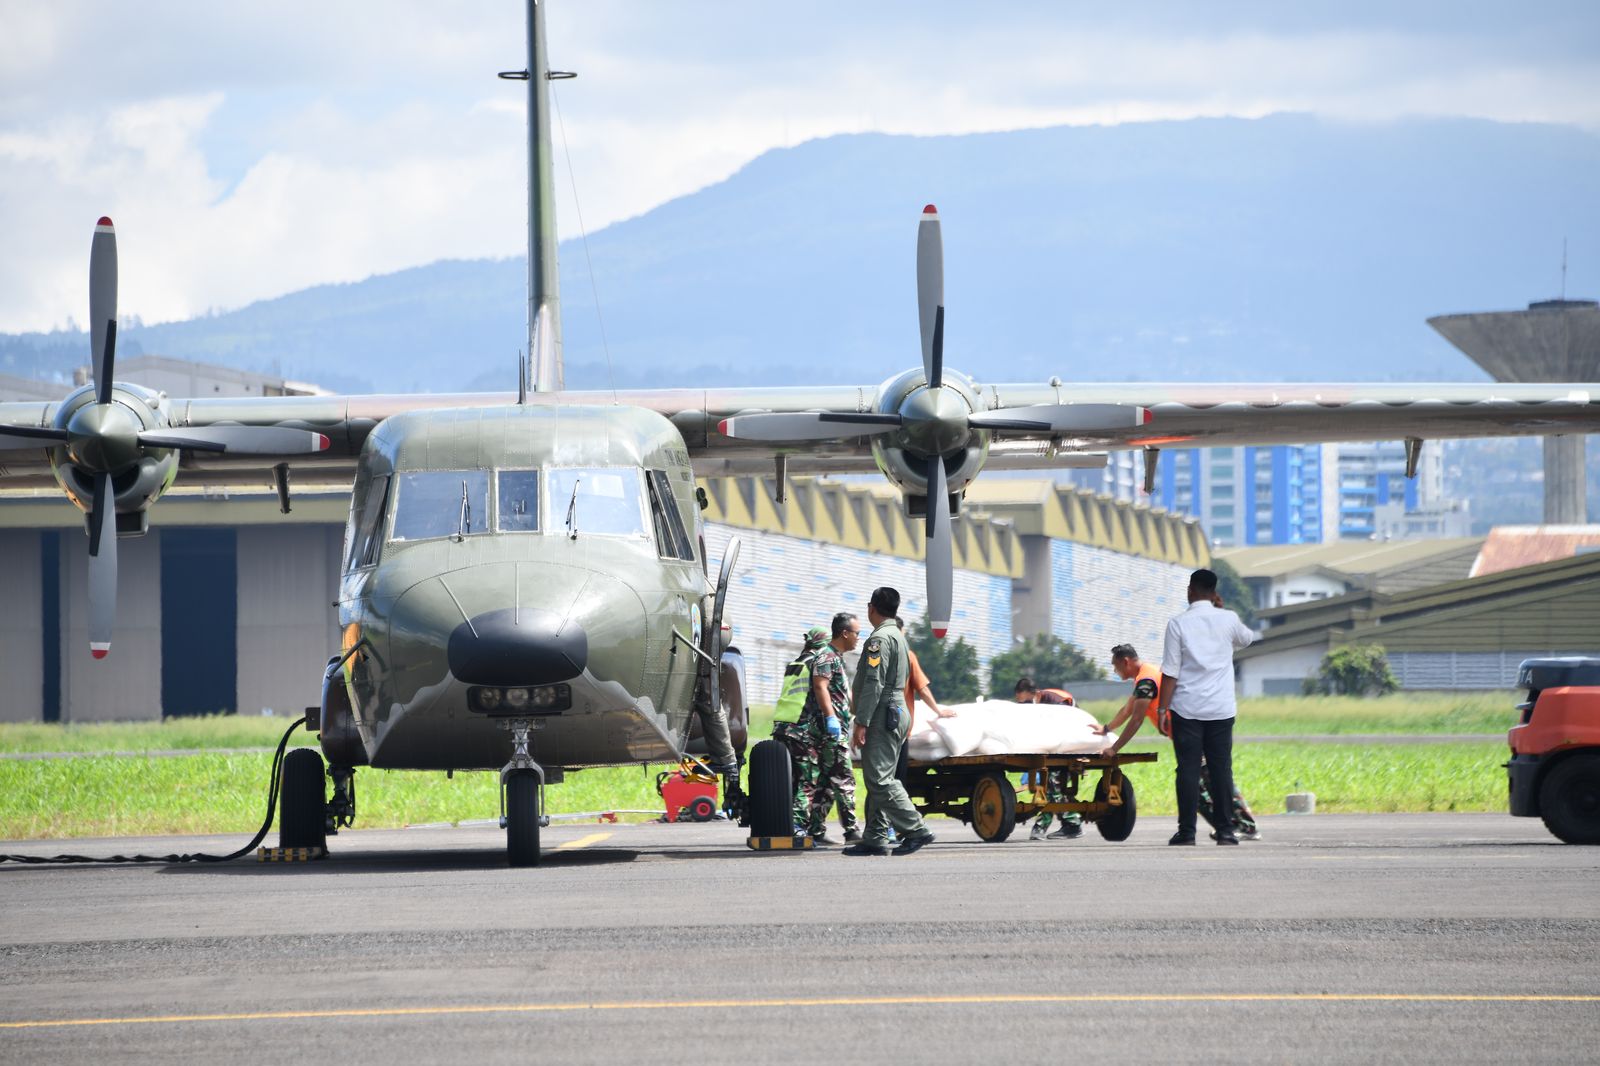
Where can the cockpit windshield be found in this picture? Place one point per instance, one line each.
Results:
(441, 503)
(519, 501)
(596, 500)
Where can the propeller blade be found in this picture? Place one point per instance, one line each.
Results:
(103, 306)
(930, 294)
(21, 438)
(937, 559)
(246, 440)
(807, 425)
(102, 567)
(1062, 418)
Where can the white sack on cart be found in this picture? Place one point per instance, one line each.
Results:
(1000, 727)
(926, 746)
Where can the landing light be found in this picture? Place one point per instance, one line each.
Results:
(546, 699)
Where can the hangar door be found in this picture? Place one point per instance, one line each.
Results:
(199, 621)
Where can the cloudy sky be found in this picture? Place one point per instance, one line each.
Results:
(247, 149)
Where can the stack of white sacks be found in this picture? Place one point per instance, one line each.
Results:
(1000, 727)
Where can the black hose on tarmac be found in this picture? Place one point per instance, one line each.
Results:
(272, 806)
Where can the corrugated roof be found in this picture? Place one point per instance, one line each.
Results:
(1355, 560)
(1372, 617)
(1509, 547)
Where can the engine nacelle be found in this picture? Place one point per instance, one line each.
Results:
(139, 483)
(908, 470)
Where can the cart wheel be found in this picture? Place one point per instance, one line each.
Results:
(993, 810)
(1116, 824)
(701, 809)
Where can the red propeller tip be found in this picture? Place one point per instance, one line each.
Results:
(722, 427)
(99, 653)
(323, 443)
(940, 632)
(1146, 416)
(104, 223)
(930, 210)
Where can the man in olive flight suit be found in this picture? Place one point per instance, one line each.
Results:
(881, 725)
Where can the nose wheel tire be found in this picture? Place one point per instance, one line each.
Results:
(993, 808)
(302, 801)
(522, 818)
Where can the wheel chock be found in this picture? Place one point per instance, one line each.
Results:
(290, 854)
(780, 843)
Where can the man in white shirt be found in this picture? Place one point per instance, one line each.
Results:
(1197, 688)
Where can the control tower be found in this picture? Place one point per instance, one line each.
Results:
(1552, 341)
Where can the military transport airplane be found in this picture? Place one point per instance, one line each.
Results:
(535, 560)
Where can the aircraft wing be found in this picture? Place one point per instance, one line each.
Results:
(1179, 415)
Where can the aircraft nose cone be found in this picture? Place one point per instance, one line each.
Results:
(517, 646)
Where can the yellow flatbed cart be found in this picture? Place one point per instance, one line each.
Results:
(978, 790)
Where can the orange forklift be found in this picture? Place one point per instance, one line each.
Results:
(1555, 749)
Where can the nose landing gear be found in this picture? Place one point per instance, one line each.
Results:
(521, 796)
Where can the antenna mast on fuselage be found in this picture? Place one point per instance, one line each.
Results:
(544, 282)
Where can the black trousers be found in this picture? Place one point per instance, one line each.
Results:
(1193, 739)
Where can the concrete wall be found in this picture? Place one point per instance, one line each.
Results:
(1100, 598)
(21, 642)
(126, 685)
(288, 580)
(784, 585)
(1291, 664)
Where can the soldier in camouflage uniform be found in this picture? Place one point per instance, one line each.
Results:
(881, 725)
(821, 753)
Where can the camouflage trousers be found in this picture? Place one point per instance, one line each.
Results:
(823, 777)
(1054, 793)
(1244, 820)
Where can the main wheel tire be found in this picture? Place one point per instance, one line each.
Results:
(1117, 823)
(302, 801)
(702, 809)
(771, 791)
(1569, 799)
(993, 808)
(522, 818)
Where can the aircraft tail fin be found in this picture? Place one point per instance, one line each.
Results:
(546, 372)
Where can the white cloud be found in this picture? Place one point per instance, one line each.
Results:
(249, 149)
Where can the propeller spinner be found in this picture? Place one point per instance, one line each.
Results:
(104, 437)
(935, 422)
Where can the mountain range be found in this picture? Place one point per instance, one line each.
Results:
(1282, 248)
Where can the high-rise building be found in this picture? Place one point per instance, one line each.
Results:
(1251, 495)
(1373, 476)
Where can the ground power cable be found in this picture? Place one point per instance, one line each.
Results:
(272, 806)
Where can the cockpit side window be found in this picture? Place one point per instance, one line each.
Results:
(366, 533)
(672, 541)
(440, 503)
(518, 491)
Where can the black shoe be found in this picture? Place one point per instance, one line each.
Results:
(1226, 838)
(914, 842)
(1068, 831)
(851, 836)
(1182, 838)
(822, 840)
(865, 849)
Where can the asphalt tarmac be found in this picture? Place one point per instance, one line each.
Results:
(1337, 938)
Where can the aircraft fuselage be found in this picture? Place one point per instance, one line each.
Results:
(525, 562)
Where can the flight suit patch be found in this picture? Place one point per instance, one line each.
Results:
(873, 652)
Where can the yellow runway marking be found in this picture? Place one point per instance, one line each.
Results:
(830, 1001)
(583, 842)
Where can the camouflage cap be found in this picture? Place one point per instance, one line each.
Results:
(816, 637)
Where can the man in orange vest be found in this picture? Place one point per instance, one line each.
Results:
(1144, 703)
(1071, 822)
